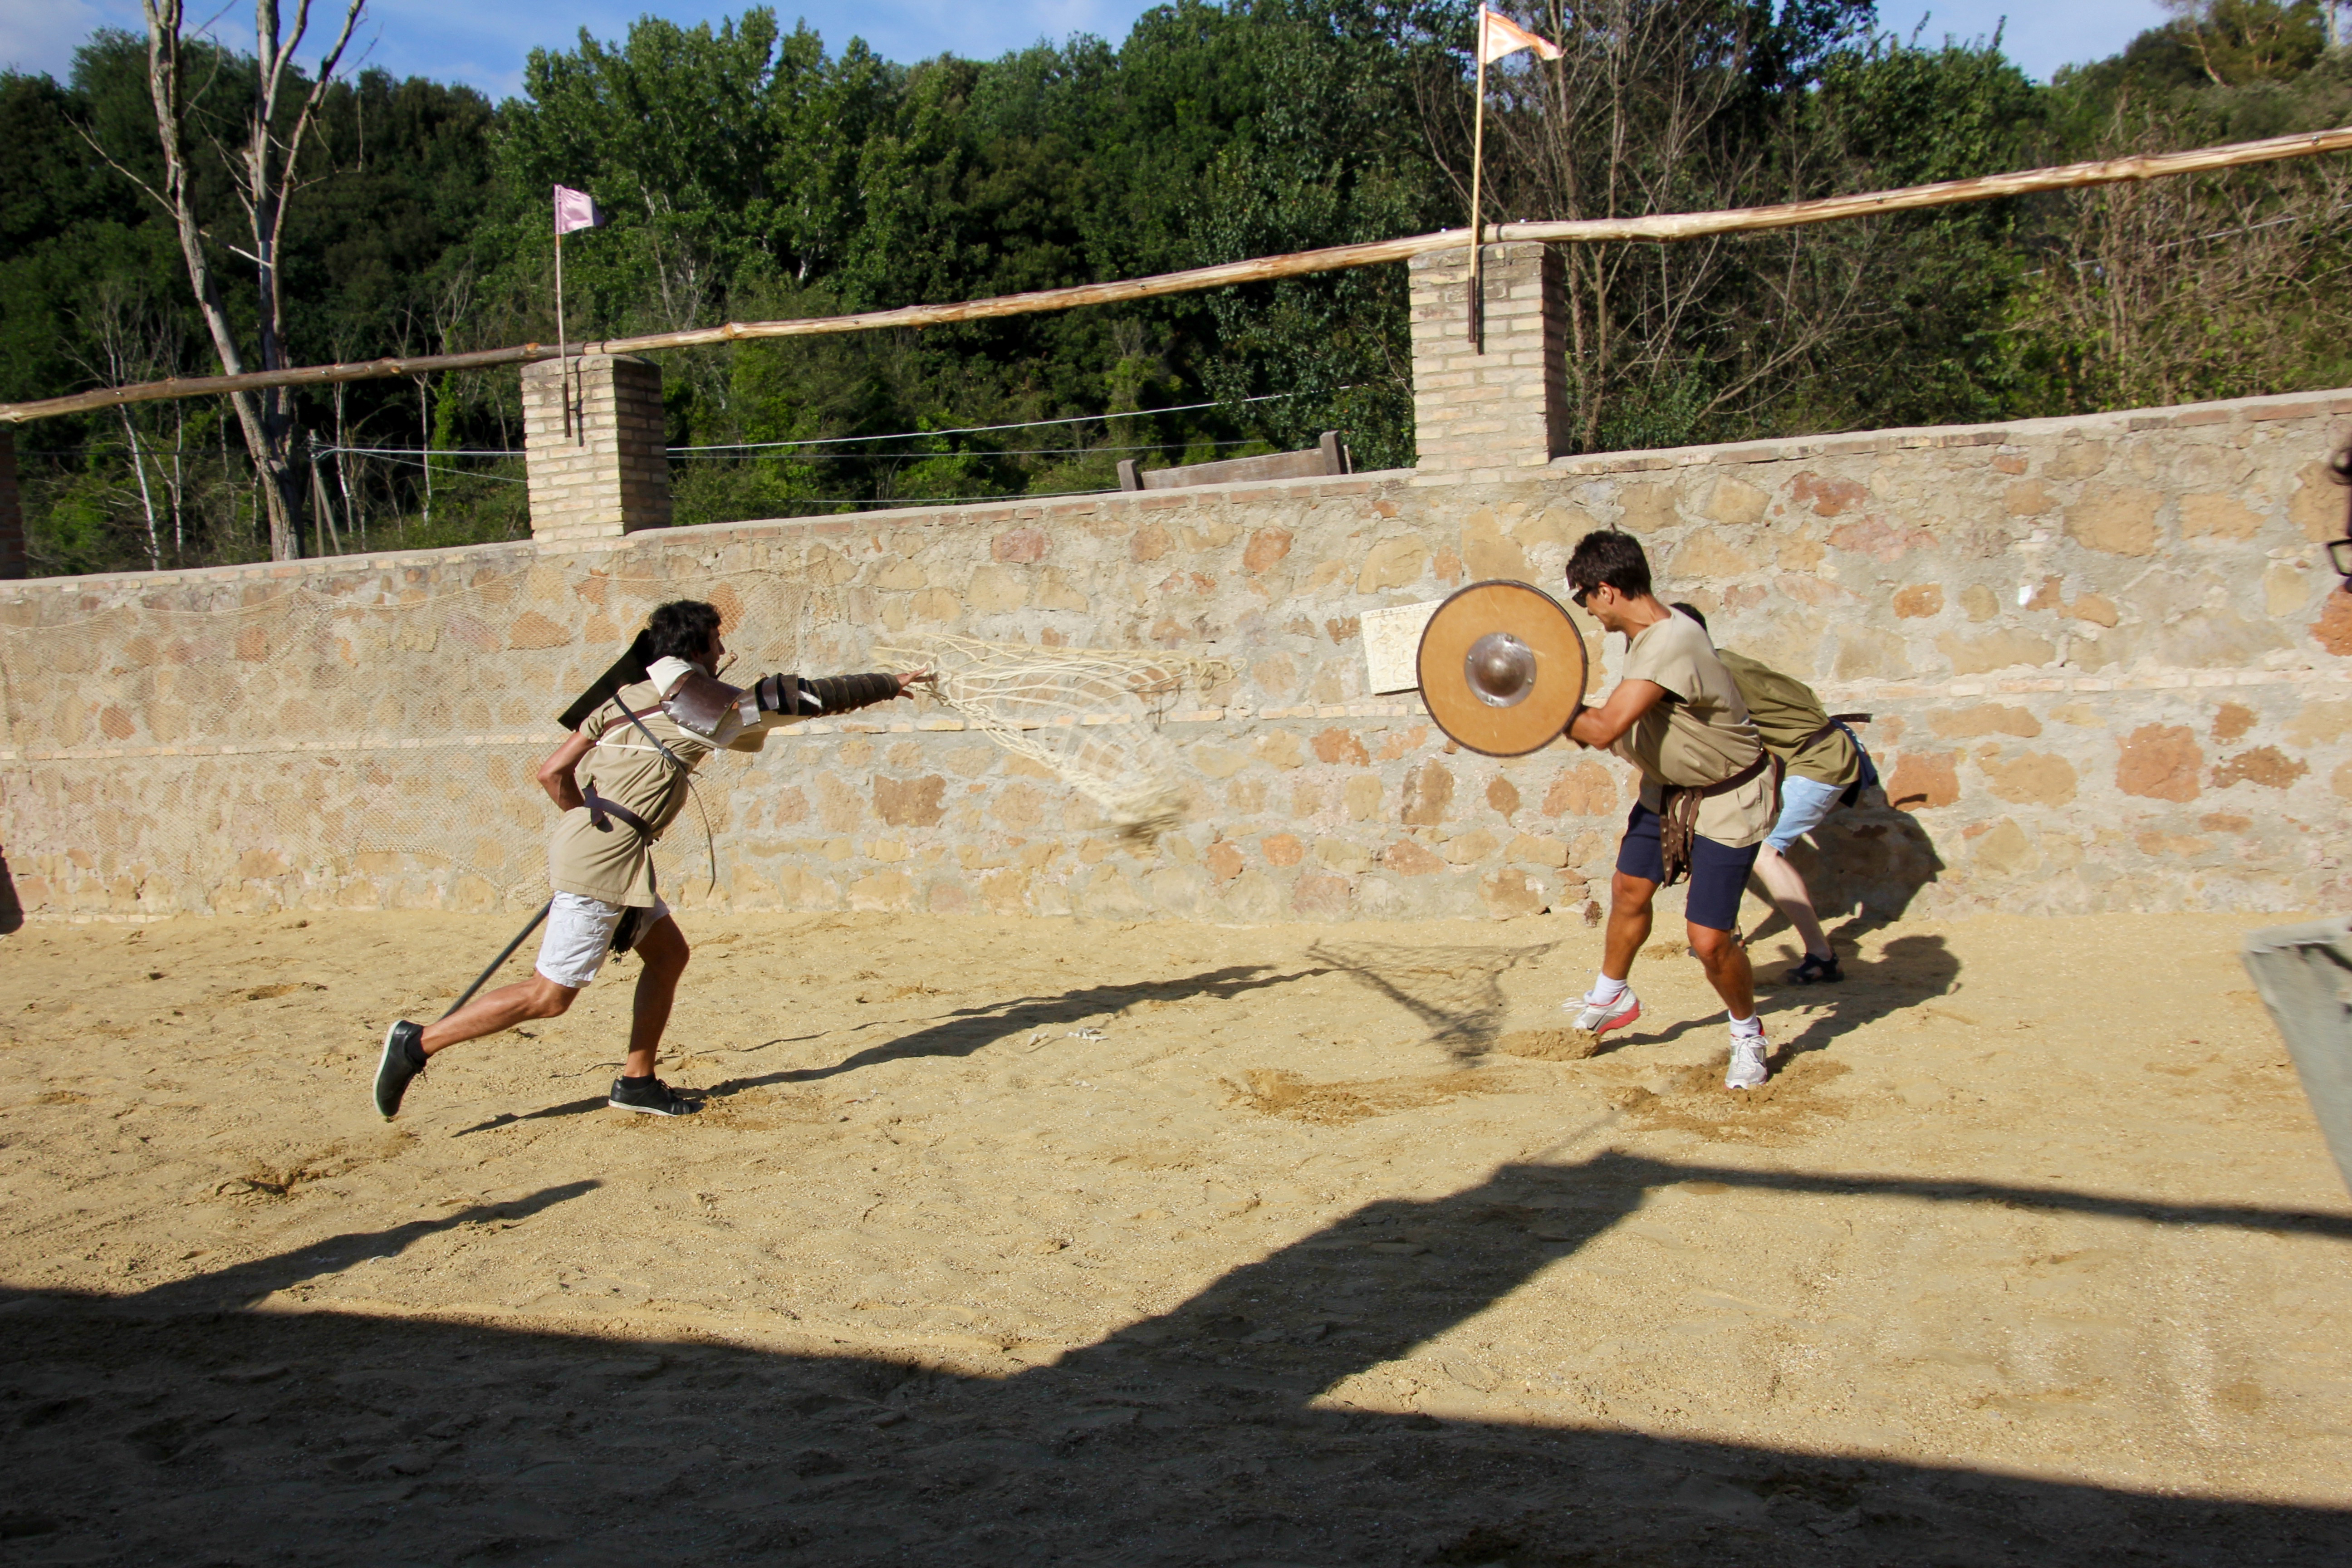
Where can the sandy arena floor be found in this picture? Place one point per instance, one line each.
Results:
(1028, 1242)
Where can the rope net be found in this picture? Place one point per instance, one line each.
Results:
(1091, 716)
(379, 748)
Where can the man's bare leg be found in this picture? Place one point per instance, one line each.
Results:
(1793, 899)
(1629, 899)
(537, 997)
(664, 952)
(1725, 958)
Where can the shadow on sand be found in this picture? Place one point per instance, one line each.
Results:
(174, 1426)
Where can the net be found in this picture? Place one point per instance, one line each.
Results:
(372, 741)
(1091, 716)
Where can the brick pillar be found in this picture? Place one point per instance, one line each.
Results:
(1480, 415)
(609, 474)
(12, 511)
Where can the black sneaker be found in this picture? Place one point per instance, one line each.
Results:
(403, 1059)
(652, 1097)
(1816, 971)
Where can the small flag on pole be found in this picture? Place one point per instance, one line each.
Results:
(1499, 36)
(575, 210)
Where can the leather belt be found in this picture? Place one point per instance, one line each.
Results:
(1837, 721)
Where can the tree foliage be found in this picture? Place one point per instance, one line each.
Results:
(754, 171)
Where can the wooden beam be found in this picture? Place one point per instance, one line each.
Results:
(1662, 228)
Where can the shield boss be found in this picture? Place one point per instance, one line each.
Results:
(1502, 667)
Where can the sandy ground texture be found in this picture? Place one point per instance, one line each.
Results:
(1078, 1242)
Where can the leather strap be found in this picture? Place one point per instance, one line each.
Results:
(1678, 815)
(1837, 721)
(600, 812)
(1722, 786)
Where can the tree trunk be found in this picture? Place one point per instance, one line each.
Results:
(265, 418)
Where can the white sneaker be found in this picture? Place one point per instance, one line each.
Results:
(1596, 1019)
(1749, 1068)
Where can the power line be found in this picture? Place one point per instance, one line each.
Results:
(984, 429)
(707, 454)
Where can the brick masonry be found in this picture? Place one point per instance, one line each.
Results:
(1481, 413)
(2111, 672)
(606, 473)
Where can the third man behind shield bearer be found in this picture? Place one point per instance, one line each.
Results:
(1824, 767)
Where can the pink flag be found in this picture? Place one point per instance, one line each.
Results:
(576, 209)
(1499, 36)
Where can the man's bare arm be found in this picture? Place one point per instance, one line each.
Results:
(1600, 727)
(557, 775)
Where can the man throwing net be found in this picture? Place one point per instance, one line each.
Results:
(621, 778)
(1707, 793)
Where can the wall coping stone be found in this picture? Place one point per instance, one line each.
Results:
(2121, 422)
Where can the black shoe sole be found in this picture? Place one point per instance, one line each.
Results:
(384, 1064)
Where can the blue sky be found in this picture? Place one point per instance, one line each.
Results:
(485, 44)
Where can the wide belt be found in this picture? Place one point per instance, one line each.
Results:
(1678, 814)
(1722, 786)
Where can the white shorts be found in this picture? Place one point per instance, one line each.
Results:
(580, 936)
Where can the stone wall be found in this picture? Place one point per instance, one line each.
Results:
(2108, 666)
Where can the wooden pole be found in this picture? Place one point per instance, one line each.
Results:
(1477, 214)
(563, 341)
(1662, 228)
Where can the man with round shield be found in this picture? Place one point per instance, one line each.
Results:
(1707, 794)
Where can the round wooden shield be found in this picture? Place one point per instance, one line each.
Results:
(1502, 667)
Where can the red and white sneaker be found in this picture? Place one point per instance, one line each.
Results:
(1597, 1020)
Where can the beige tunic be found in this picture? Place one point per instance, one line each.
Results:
(1700, 734)
(616, 865)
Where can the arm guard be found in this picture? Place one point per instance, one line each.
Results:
(795, 696)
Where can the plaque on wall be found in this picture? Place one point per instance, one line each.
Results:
(1391, 641)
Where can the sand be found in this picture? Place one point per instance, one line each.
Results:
(1019, 1241)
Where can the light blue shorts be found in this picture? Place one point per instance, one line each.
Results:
(1803, 803)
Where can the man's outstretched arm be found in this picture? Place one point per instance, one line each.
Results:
(798, 696)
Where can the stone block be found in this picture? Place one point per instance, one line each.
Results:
(2116, 523)
(2160, 762)
(1919, 601)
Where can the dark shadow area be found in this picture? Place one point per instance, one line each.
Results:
(969, 1029)
(12, 909)
(158, 1428)
(1865, 864)
(1457, 991)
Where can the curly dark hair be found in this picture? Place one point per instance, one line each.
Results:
(682, 629)
(1607, 556)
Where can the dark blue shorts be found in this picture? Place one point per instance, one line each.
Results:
(1719, 873)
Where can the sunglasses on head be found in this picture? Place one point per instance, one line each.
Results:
(2339, 556)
